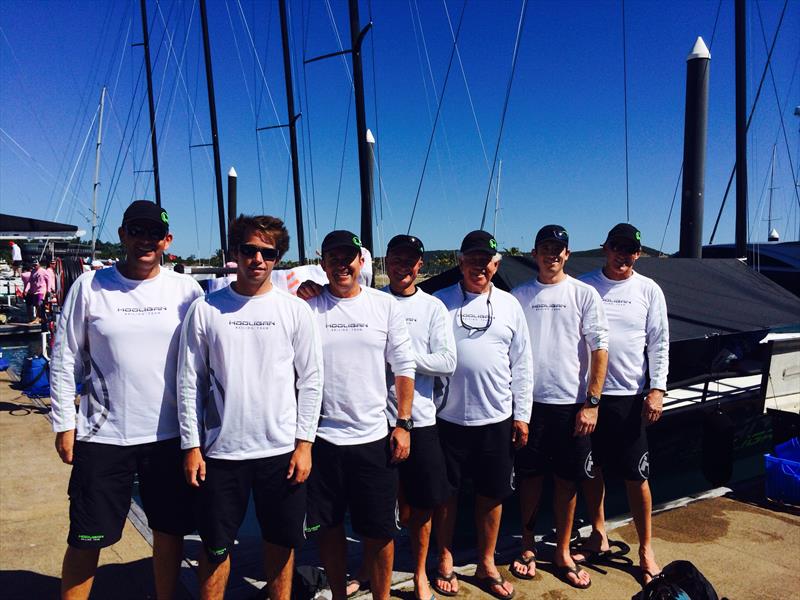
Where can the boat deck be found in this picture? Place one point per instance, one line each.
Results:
(746, 546)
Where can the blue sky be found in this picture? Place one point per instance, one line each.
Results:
(562, 150)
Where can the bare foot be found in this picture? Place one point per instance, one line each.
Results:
(445, 582)
(648, 564)
(574, 575)
(524, 566)
(499, 586)
(596, 542)
(422, 588)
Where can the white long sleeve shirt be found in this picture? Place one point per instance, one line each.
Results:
(494, 374)
(241, 358)
(120, 337)
(566, 323)
(359, 336)
(434, 353)
(639, 326)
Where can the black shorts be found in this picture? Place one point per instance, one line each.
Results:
(360, 478)
(552, 446)
(101, 486)
(223, 497)
(484, 453)
(620, 440)
(424, 474)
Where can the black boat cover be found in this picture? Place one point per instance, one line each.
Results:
(705, 297)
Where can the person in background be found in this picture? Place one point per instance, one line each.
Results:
(119, 333)
(16, 257)
(38, 285)
(51, 272)
(633, 393)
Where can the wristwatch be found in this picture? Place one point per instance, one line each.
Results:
(407, 424)
(592, 401)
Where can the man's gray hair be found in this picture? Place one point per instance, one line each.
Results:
(496, 258)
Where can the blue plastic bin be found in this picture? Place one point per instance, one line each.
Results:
(783, 472)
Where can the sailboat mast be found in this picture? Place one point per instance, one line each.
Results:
(151, 104)
(212, 108)
(356, 38)
(97, 170)
(741, 128)
(287, 71)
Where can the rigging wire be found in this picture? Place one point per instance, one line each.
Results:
(515, 54)
(625, 96)
(436, 119)
(778, 101)
(341, 165)
(750, 117)
(431, 99)
(263, 74)
(680, 171)
(466, 86)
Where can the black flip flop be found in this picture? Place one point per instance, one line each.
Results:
(523, 561)
(487, 584)
(563, 571)
(449, 578)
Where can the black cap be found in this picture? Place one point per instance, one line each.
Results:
(627, 232)
(144, 210)
(479, 241)
(340, 238)
(555, 233)
(406, 241)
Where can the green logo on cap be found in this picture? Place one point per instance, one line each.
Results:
(638, 236)
(165, 217)
(492, 244)
(356, 241)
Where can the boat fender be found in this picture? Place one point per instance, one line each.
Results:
(718, 434)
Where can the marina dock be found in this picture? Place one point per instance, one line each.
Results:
(746, 546)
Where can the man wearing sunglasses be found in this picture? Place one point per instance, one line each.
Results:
(634, 388)
(485, 407)
(119, 333)
(569, 338)
(355, 454)
(244, 350)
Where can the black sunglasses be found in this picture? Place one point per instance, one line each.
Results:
(472, 328)
(250, 250)
(623, 247)
(141, 231)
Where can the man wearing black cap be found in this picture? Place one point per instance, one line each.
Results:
(355, 454)
(118, 333)
(423, 476)
(634, 388)
(569, 339)
(485, 407)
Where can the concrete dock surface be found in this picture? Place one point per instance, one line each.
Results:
(746, 546)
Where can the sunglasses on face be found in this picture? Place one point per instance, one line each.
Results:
(143, 231)
(623, 248)
(250, 250)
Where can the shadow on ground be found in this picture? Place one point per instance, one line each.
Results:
(129, 581)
